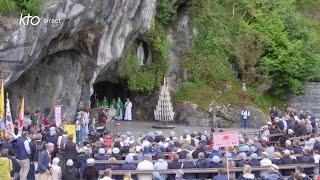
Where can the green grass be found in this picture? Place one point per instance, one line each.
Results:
(7, 6)
(265, 101)
(204, 95)
(32, 7)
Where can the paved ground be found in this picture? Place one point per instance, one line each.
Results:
(137, 127)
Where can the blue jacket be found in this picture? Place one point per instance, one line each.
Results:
(307, 159)
(43, 162)
(129, 166)
(187, 165)
(174, 164)
(21, 150)
(221, 177)
(203, 163)
(254, 162)
(287, 160)
(215, 153)
(277, 161)
(101, 166)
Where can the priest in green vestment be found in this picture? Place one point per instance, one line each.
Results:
(119, 109)
(97, 104)
(105, 102)
(112, 103)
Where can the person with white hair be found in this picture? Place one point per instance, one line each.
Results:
(247, 175)
(56, 172)
(107, 175)
(146, 164)
(90, 172)
(129, 164)
(265, 161)
(44, 162)
(70, 172)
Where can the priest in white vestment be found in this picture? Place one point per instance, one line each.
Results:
(128, 106)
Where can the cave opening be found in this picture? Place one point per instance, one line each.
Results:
(110, 91)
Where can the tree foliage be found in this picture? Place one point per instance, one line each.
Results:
(25, 7)
(270, 45)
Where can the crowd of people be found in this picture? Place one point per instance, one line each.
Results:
(47, 152)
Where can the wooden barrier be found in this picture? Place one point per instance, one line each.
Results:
(207, 170)
(180, 160)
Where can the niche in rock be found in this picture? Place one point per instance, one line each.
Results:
(106, 91)
(143, 52)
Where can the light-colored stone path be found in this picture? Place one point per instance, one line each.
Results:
(137, 127)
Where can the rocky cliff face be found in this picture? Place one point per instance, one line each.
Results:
(52, 64)
(310, 100)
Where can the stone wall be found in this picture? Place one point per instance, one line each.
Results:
(310, 100)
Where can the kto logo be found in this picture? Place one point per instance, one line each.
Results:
(25, 20)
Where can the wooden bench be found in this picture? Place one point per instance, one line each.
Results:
(207, 170)
(180, 160)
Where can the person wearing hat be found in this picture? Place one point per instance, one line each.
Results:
(81, 162)
(44, 162)
(70, 172)
(116, 153)
(52, 138)
(90, 172)
(101, 156)
(129, 164)
(272, 173)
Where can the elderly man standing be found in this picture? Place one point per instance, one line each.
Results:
(23, 155)
(44, 162)
(146, 164)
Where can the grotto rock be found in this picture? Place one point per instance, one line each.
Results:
(52, 64)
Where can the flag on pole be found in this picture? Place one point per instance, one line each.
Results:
(9, 124)
(21, 115)
(1, 101)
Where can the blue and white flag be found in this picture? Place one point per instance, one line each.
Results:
(9, 124)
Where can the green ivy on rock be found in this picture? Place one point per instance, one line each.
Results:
(142, 79)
